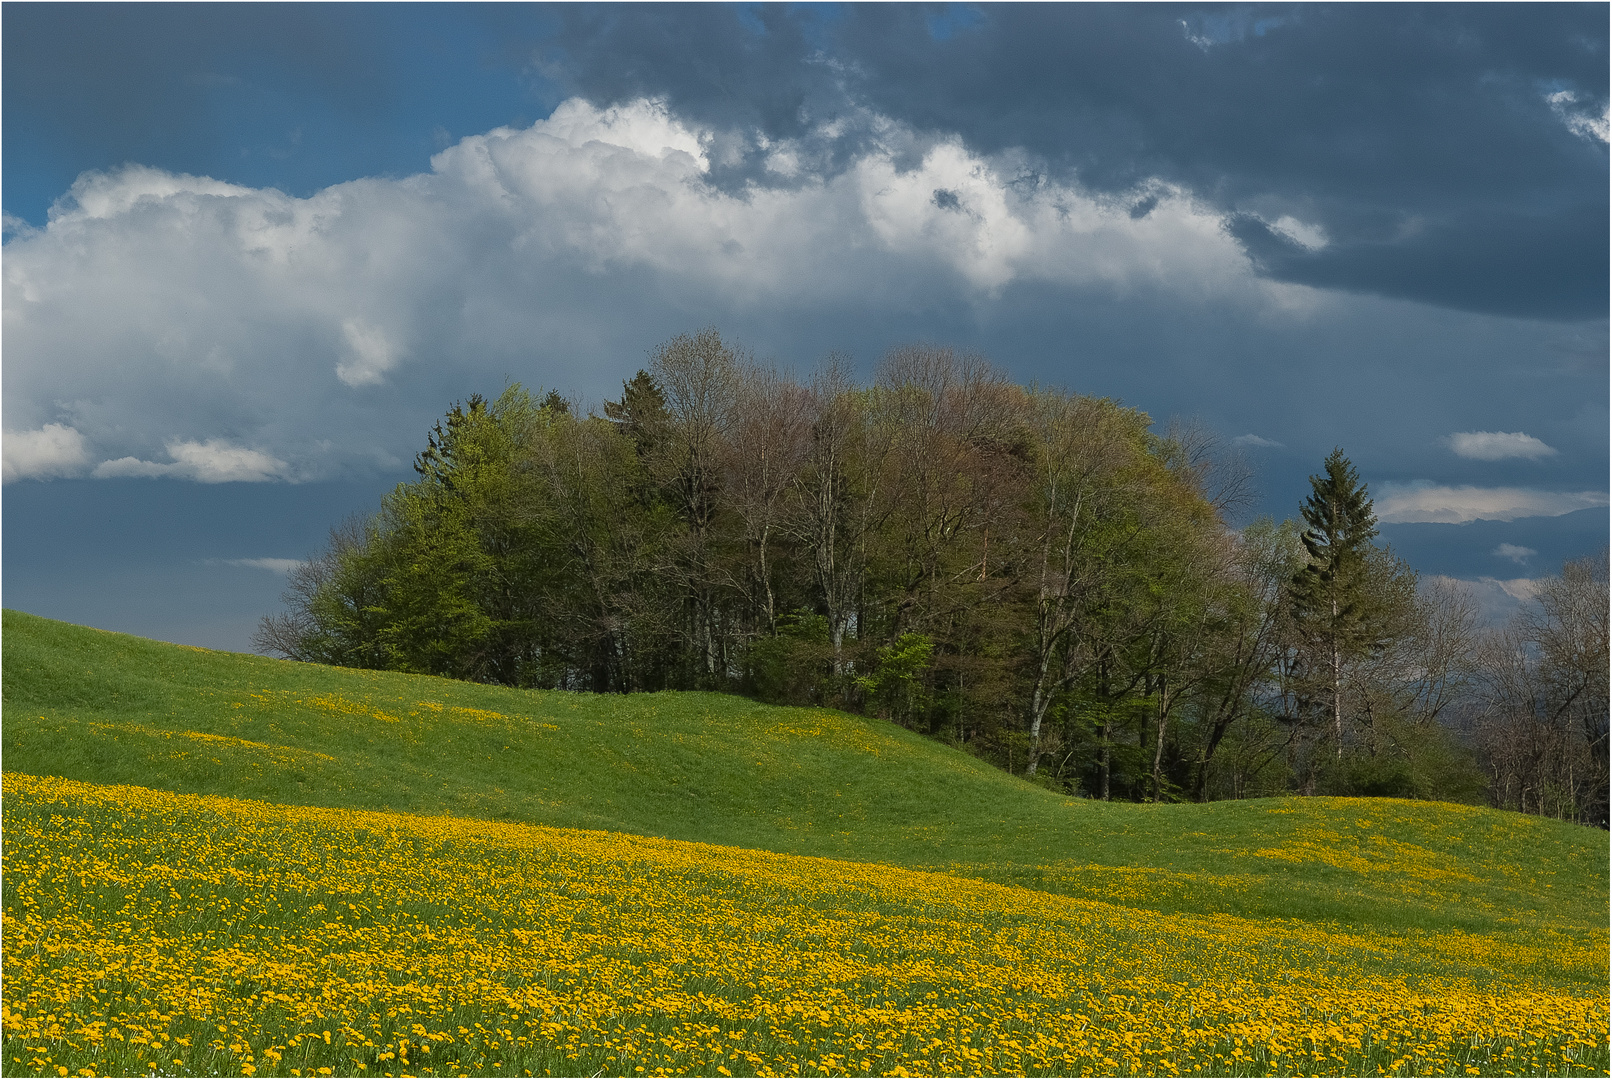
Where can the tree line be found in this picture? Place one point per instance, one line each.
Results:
(1035, 576)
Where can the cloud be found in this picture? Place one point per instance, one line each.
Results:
(1436, 171)
(1515, 552)
(210, 462)
(164, 311)
(1423, 501)
(371, 356)
(1305, 235)
(1498, 600)
(1255, 440)
(1584, 123)
(52, 450)
(1498, 260)
(11, 225)
(1498, 445)
(277, 566)
(1520, 589)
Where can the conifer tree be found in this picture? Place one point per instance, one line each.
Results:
(1329, 596)
(641, 413)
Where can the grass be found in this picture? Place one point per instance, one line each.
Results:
(153, 932)
(1403, 905)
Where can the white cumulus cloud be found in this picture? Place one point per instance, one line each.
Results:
(1515, 552)
(212, 462)
(1585, 123)
(156, 310)
(1305, 235)
(1498, 599)
(1498, 445)
(1424, 501)
(277, 566)
(1519, 589)
(371, 355)
(1255, 440)
(52, 450)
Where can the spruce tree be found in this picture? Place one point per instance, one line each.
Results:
(641, 413)
(1329, 596)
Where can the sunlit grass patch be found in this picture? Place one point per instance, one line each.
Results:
(149, 932)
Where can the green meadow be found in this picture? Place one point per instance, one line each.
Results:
(1428, 901)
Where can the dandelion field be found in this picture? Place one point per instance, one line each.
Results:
(806, 893)
(153, 932)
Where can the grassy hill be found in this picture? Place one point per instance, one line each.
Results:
(412, 853)
(111, 708)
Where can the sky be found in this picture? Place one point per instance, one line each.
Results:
(252, 251)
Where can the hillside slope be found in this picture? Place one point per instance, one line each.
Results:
(108, 708)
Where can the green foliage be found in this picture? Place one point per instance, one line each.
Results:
(896, 686)
(1331, 602)
(1408, 761)
(641, 413)
(793, 665)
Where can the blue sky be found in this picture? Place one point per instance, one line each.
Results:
(251, 251)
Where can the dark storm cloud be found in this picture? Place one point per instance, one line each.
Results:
(1424, 141)
(732, 65)
(293, 96)
(123, 82)
(1501, 262)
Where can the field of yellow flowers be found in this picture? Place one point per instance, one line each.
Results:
(153, 933)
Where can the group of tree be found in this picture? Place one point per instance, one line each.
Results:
(1035, 576)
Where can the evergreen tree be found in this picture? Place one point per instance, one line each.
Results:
(1329, 596)
(641, 413)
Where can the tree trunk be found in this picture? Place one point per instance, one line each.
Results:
(1337, 698)
(1104, 759)
(1039, 701)
(766, 581)
(1158, 746)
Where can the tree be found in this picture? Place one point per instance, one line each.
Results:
(698, 375)
(1329, 600)
(458, 594)
(435, 582)
(641, 413)
(896, 685)
(332, 600)
(1082, 450)
(767, 445)
(834, 499)
(1544, 730)
(952, 484)
(1247, 648)
(1032, 574)
(605, 617)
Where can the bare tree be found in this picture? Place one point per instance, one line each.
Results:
(1544, 732)
(955, 475)
(1248, 651)
(836, 498)
(768, 443)
(321, 604)
(698, 374)
(1440, 668)
(1221, 473)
